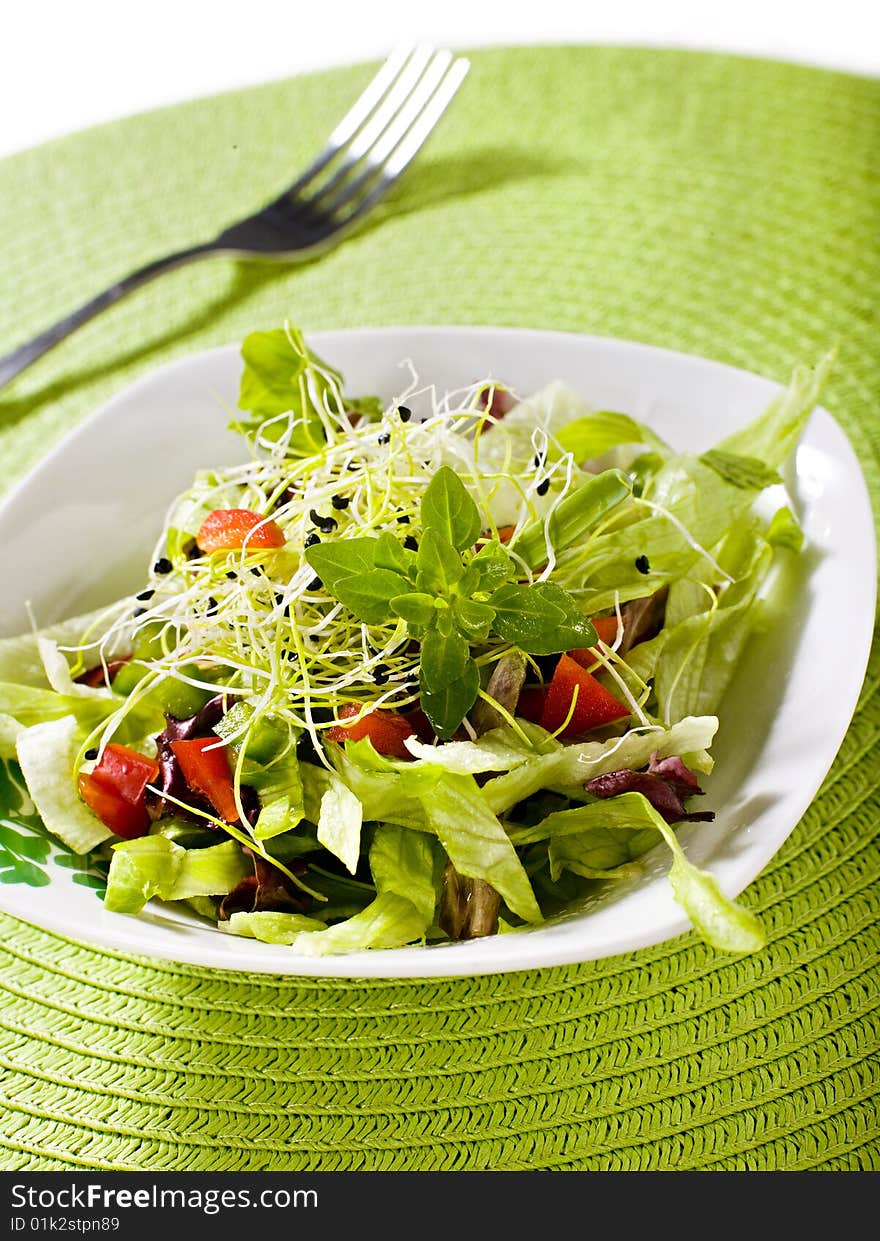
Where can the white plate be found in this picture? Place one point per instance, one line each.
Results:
(79, 531)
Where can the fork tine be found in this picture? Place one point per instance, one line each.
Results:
(421, 62)
(399, 144)
(357, 115)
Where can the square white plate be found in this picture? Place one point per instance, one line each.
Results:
(79, 531)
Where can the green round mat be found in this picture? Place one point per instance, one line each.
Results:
(717, 205)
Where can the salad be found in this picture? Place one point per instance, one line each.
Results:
(414, 673)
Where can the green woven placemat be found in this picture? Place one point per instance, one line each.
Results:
(717, 205)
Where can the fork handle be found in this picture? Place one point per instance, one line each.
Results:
(16, 361)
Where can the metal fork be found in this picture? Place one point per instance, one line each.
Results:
(364, 156)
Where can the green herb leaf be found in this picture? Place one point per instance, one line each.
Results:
(494, 565)
(521, 616)
(369, 595)
(439, 564)
(542, 619)
(414, 608)
(390, 554)
(475, 619)
(449, 510)
(335, 561)
(448, 680)
(747, 473)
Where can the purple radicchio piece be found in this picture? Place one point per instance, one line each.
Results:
(266, 889)
(666, 783)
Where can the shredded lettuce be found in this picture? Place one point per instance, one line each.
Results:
(47, 756)
(154, 866)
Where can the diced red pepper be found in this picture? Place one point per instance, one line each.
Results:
(594, 706)
(385, 730)
(606, 628)
(227, 529)
(206, 769)
(116, 790)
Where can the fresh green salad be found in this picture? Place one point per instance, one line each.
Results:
(412, 674)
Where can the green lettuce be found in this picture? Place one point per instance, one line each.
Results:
(154, 866)
(589, 838)
(404, 868)
(568, 767)
(47, 755)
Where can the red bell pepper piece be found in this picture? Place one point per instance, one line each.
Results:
(606, 628)
(206, 769)
(116, 790)
(227, 529)
(594, 706)
(385, 730)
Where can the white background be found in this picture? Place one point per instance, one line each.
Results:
(71, 63)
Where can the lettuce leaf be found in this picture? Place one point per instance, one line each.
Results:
(569, 767)
(154, 866)
(774, 435)
(721, 923)
(403, 864)
(270, 927)
(473, 838)
(46, 754)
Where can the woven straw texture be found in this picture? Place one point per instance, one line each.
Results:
(716, 205)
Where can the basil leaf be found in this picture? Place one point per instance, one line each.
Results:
(475, 619)
(335, 561)
(439, 564)
(747, 473)
(542, 619)
(494, 565)
(393, 555)
(448, 682)
(415, 609)
(369, 595)
(521, 615)
(448, 508)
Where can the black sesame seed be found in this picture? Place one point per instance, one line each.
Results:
(642, 564)
(411, 543)
(256, 571)
(315, 584)
(212, 607)
(404, 519)
(380, 674)
(139, 611)
(145, 594)
(340, 502)
(193, 551)
(311, 539)
(90, 755)
(539, 460)
(543, 487)
(163, 565)
(384, 438)
(324, 524)
(232, 573)
(404, 413)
